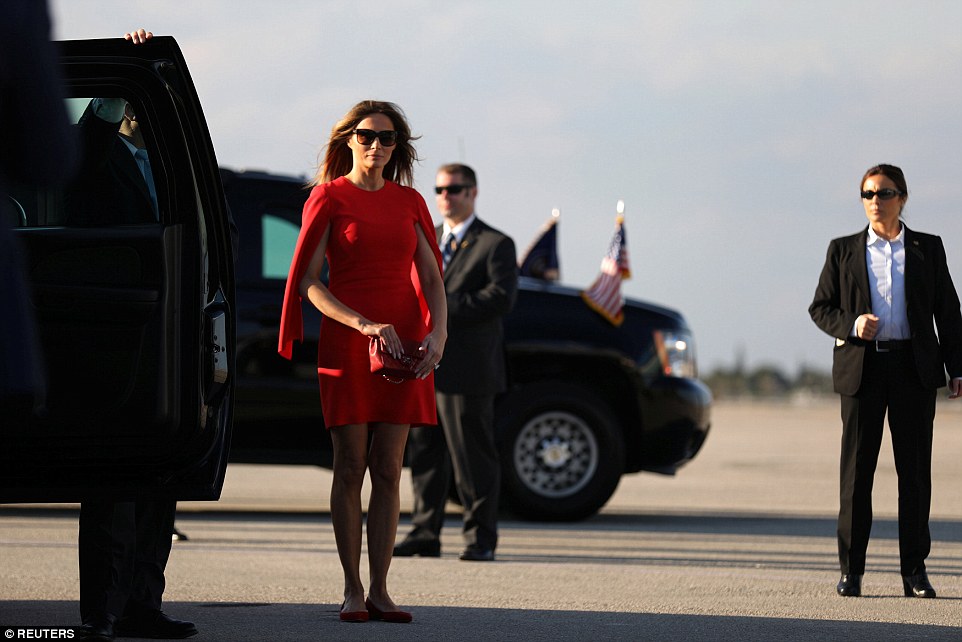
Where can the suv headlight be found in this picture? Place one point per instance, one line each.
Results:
(676, 353)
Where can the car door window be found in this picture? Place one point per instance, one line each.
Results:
(278, 238)
(119, 180)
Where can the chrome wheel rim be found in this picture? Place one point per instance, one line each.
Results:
(555, 454)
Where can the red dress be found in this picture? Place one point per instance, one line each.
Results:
(370, 253)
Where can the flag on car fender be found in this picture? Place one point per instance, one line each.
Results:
(604, 296)
(540, 260)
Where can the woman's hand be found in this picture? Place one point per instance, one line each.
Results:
(386, 334)
(432, 348)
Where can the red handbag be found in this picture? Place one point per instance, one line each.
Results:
(395, 369)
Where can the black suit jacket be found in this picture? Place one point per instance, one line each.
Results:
(843, 294)
(109, 189)
(481, 282)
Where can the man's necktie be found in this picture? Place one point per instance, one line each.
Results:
(141, 157)
(448, 245)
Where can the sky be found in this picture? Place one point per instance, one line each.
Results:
(736, 132)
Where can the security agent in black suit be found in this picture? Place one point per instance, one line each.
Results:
(481, 280)
(123, 546)
(879, 293)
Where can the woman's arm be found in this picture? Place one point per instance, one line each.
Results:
(432, 285)
(826, 308)
(312, 288)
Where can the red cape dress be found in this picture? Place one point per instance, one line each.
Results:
(370, 255)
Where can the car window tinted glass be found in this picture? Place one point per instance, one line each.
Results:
(278, 236)
(115, 185)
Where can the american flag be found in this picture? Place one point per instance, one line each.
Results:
(604, 296)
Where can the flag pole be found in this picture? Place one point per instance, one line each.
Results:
(620, 221)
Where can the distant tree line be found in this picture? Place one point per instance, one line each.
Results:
(767, 382)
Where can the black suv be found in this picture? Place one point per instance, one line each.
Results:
(135, 320)
(586, 403)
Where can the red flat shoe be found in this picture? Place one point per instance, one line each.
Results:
(354, 616)
(393, 617)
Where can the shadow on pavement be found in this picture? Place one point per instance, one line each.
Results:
(756, 524)
(707, 522)
(718, 540)
(240, 622)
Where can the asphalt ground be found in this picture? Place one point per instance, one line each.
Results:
(739, 545)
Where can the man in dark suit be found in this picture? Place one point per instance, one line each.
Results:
(123, 546)
(878, 295)
(481, 280)
(115, 185)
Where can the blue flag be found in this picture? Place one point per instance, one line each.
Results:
(540, 261)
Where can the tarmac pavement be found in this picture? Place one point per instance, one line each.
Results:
(739, 545)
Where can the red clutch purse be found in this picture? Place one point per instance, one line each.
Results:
(395, 369)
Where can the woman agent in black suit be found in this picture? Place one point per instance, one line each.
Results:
(878, 295)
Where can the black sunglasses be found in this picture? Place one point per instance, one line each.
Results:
(884, 194)
(388, 137)
(452, 189)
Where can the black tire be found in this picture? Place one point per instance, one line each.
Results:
(562, 454)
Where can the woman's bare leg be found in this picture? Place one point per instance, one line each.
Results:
(350, 463)
(385, 460)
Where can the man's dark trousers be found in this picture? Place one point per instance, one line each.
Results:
(467, 426)
(124, 547)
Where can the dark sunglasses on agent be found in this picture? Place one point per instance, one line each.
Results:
(451, 189)
(388, 137)
(883, 194)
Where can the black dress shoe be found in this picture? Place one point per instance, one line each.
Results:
(423, 547)
(98, 629)
(155, 624)
(850, 586)
(474, 553)
(917, 586)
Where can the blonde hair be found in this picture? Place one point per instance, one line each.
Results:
(337, 159)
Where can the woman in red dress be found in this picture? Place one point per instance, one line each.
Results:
(384, 282)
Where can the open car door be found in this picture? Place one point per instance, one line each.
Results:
(134, 313)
